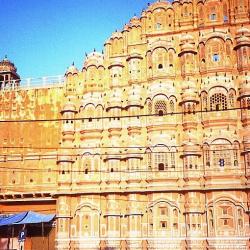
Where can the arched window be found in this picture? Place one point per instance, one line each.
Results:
(150, 107)
(231, 100)
(160, 107)
(240, 217)
(226, 216)
(218, 102)
(171, 106)
(225, 13)
(248, 103)
(172, 155)
(161, 159)
(220, 153)
(149, 158)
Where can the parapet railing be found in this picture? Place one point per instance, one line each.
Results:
(33, 83)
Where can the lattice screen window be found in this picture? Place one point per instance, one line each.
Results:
(160, 107)
(204, 102)
(231, 100)
(248, 102)
(171, 106)
(150, 107)
(172, 156)
(235, 152)
(218, 101)
(207, 157)
(161, 161)
(221, 157)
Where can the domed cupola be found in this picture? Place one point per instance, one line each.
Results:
(93, 59)
(72, 70)
(71, 79)
(134, 21)
(8, 74)
(93, 71)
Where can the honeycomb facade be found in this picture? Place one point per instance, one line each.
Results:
(146, 147)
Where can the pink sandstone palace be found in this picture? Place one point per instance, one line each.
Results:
(147, 146)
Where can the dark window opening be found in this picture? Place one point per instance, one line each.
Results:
(161, 167)
(86, 171)
(160, 113)
(213, 16)
(112, 170)
(160, 66)
(216, 58)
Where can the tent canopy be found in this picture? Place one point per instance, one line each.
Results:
(26, 218)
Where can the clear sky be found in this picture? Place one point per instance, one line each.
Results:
(43, 37)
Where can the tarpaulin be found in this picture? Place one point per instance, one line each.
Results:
(9, 220)
(26, 218)
(32, 218)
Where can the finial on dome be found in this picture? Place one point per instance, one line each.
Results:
(94, 50)
(73, 63)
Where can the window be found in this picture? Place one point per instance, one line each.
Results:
(158, 26)
(160, 107)
(216, 58)
(172, 159)
(161, 167)
(218, 101)
(163, 210)
(225, 222)
(221, 157)
(231, 99)
(171, 105)
(163, 224)
(160, 66)
(213, 17)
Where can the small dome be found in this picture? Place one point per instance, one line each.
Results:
(94, 59)
(134, 21)
(134, 55)
(69, 107)
(187, 37)
(7, 66)
(116, 34)
(159, 4)
(243, 30)
(71, 70)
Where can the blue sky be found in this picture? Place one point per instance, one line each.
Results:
(43, 37)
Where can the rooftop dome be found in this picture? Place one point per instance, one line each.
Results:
(116, 34)
(159, 4)
(71, 70)
(187, 37)
(94, 59)
(243, 30)
(7, 66)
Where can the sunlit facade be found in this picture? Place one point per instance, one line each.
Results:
(148, 145)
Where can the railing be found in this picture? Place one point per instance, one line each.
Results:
(47, 81)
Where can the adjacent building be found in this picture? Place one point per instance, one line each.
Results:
(147, 146)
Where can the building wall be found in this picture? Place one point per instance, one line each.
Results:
(154, 143)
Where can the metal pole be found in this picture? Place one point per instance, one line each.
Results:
(43, 234)
(12, 236)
